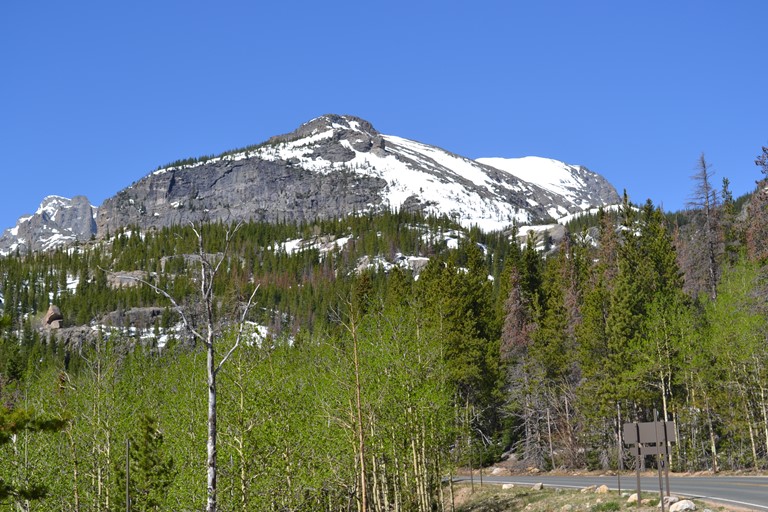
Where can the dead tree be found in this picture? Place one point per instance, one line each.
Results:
(205, 331)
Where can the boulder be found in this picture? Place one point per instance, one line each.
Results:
(632, 498)
(537, 487)
(588, 489)
(53, 315)
(603, 489)
(682, 505)
(508, 486)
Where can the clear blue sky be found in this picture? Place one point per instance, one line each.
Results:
(94, 95)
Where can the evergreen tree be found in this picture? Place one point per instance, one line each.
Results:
(150, 471)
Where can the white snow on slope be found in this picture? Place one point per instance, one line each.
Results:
(404, 181)
(549, 174)
(435, 176)
(51, 206)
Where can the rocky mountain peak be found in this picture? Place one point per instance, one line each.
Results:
(334, 138)
(57, 221)
(329, 167)
(340, 125)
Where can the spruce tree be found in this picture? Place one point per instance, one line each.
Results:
(150, 470)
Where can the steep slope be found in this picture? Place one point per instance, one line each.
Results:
(338, 165)
(58, 221)
(578, 187)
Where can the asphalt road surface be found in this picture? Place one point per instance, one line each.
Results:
(746, 492)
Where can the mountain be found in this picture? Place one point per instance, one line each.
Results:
(58, 221)
(338, 165)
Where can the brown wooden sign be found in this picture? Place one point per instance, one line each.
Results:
(651, 438)
(648, 450)
(650, 432)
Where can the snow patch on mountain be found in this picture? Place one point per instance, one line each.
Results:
(473, 192)
(329, 167)
(57, 222)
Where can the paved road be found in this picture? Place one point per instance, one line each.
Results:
(740, 491)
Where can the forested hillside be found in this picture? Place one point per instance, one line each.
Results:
(376, 372)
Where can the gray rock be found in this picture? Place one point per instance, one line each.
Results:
(140, 318)
(126, 279)
(57, 222)
(682, 505)
(327, 168)
(53, 315)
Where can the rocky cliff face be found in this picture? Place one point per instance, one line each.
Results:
(58, 221)
(338, 165)
(329, 167)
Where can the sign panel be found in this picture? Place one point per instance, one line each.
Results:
(649, 432)
(656, 449)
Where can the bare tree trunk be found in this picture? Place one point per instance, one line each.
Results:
(706, 200)
(211, 445)
(765, 414)
(713, 445)
(209, 269)
(359, 408)
(549, 436)
(75, 475)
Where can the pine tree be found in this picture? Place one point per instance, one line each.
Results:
(150, 471)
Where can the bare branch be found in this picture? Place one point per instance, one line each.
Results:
(239, 330)
(228, 239)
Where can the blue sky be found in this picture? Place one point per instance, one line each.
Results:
(94, 95)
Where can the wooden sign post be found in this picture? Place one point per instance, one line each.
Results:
(651, 438)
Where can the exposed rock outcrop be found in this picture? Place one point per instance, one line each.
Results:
(53, 318)
(329, 167)
(58, 221)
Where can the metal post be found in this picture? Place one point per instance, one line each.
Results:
(127, 475)
(659, 458)
(637, 465)
(666, 453)
(618, 454)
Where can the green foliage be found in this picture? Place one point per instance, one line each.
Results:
(151, 470)
(494, 347)
(16, 478)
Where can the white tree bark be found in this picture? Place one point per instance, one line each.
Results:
(209, 269)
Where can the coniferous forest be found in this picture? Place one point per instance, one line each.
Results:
(361, 385)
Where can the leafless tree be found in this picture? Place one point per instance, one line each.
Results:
(705, 201)
(206, 330)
